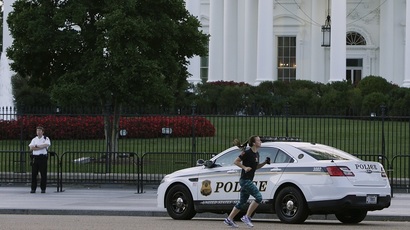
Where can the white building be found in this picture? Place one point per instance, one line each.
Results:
(267, 40)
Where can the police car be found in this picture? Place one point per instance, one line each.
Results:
(303, 179)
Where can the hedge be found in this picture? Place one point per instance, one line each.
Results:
(92, 127)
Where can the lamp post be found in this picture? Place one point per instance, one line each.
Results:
(326, 32)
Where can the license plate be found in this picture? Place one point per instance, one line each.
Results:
(371, 199)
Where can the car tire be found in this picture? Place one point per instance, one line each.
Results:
(353, 216)
(290, 206)
(179, 203)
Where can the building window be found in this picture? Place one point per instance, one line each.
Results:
(355, 39)
(286, 58)
(204, 69)
(354, 69)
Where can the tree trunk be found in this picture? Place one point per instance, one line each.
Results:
(112, 116)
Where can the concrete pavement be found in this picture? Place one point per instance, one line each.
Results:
(126, 201)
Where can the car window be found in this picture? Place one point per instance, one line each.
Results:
(282, 157)
(228, 158)
(324, 154)
(267, 152)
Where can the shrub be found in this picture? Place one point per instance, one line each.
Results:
(375, 84)
(92, 127)
(372, 103)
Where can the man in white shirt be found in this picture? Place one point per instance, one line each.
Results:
(39, 146)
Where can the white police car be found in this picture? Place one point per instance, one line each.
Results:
(302, 179)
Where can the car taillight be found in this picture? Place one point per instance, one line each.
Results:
(384, 173)
(339, 171)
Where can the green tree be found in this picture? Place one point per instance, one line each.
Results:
(106, 53)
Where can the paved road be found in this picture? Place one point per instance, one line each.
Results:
(69, 222)
(125, 201)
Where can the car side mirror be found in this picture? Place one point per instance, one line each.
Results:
(200, 162)
(209, 164)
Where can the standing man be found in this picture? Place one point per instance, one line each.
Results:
(39, 146)
(248, 161)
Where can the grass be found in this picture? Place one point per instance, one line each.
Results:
(356, 136)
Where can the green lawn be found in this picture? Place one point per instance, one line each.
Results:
(357, 136)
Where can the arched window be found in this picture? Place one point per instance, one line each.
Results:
(355, 39)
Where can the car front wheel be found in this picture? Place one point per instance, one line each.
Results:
(179, 203)
(352, 216)
(290, 206)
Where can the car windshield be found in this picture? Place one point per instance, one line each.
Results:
(228, 158)
(322, 152)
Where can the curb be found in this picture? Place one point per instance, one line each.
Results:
(165, 214)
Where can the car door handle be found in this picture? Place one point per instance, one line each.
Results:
(232, 171)
(276, 170)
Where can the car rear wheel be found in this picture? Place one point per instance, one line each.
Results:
(179, 203)
(290, 206)
(353, 216)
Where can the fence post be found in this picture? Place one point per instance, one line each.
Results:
(383, 107)
(108, 127)
(287, 118)
(18, 114)
(193, 132)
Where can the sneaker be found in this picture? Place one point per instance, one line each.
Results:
(247, 220)
(230, 223)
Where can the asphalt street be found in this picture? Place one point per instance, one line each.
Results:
(126, 201)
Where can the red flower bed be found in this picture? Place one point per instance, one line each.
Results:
(92, 127)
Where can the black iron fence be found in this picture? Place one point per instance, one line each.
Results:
(149, 169)
(84, 158)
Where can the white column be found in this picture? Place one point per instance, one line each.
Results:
(386, 45)
(265, 63)
(6, 96)
(194, 68)
(338, 41)
(7, 39)
(216, 31)
(251, 30)
(318, 62)
(406, 82)
(240, 75)
(230, 40)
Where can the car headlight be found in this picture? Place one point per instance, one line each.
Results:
(164, 179)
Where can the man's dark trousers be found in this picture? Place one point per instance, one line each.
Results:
(39, 165)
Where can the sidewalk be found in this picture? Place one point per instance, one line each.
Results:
(125, 201)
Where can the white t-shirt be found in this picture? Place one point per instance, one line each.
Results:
(39, 141)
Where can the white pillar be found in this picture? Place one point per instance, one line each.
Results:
(194, 67)
(241, 21)
(319, 70)
(6, 96)
(265, 63)
(230, 40)
(338, 41)
(216, 31)
(386, 45)
(406, 82)
(251, 30)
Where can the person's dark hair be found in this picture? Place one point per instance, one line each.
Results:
(40, 127)
(237, 143)
(250, 141)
